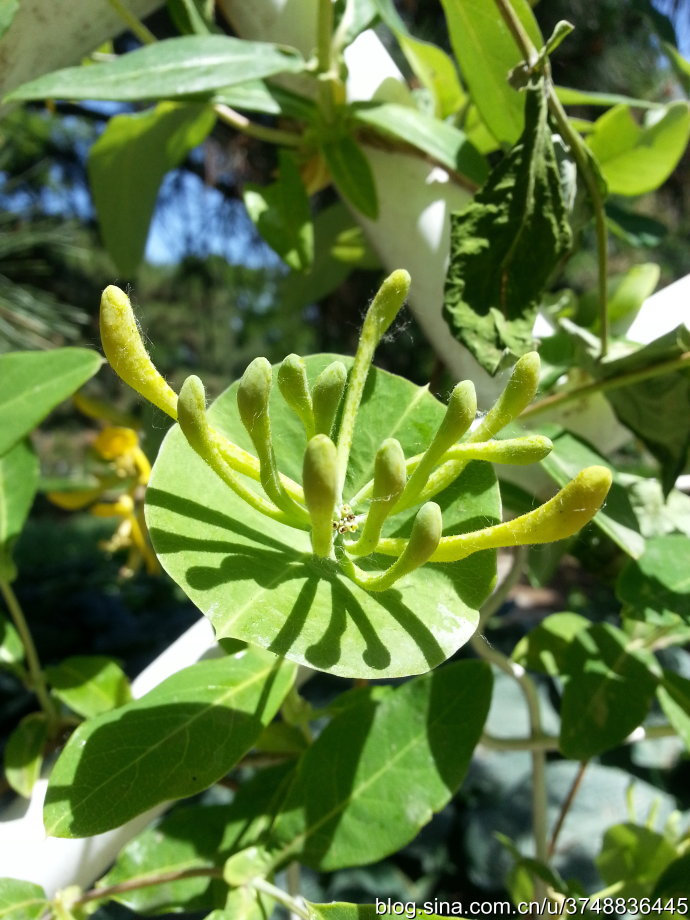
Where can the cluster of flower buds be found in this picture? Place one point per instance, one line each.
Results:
(347, 528)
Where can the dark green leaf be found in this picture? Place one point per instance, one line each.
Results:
(18, 484)
(257, 579)
(174, 742)
(24, 753)
(655, 409)
(127, 164)
(89, 684)
(633, 857)
(506, 244)
(172, 69)
(544, 647)
(569, 96)
(258, 96)
(445, 143)
(634, 229)
(21, 900)
(190, 17)
(486, 53)
(32, 383)
(659, 581)
(405, 756)
(674, 697)
(608, 691)
(352, 174)
(635, 159)
(282, 214)
(617, 518)
(673, 882)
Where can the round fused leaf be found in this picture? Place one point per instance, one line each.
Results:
(258, 580)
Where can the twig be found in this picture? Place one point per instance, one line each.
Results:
(565, 807)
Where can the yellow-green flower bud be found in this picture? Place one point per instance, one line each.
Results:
(518, 394)
(386, 305)
(326, 395)
(560, 517)
(320, 484)
(514, 451)
(126, 353)
(293, 384)
(423, 541)
(253, 395)
(390, 475)
(460, 413)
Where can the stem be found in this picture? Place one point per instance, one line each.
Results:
(539, 790)
(293, 884)
(38, 682)
(109, 891)
(282, 897)
(582, 159)
(135, 25)
(608, 383)
(252, 129)
(545, 743)
(565, 807)
(324, 35)
(494, 602)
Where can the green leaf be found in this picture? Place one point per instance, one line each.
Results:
(258, 96)
(257, 579)
(486, 53)
(189, 16)
(635, 159)
(11, 648)
(443, 142)
(21, 900)
(191, 65)
(89, 684)
(404, 757)
(24, 753)
(127, 164)
(569, 96)
(8, 11)
(282, 214)
(194, 837)
(633, 857)
(430, 64)
(673, 882)
(635, 229)
(608, 691)
(174, 742)
(674, 697)
(352, 174)
(655, 409)
(18, 483)
(658, 582)
(505, 245)
(617, 518)
(32, 383)
(341, 910)
(545, 646)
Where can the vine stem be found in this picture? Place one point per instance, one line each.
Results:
(498, 597)
(38, 682)
(163, 878)
(608, 383)
(252, 129)
(282, 897)
(565, 807)
(134, 24)
(582, 159)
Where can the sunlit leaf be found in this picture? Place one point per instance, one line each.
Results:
(89, 684)
(18, 484)
(24, 753)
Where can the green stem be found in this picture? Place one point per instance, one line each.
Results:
(252, 129)
(135, 25)
(38, 682)
(582, 159)
(162, 878)
(324, 35)
(282, 897)
(608, 383)
(539, 790)
(565, 807)
(494, 602)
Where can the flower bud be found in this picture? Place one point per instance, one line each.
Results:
(293, 384)
(326, 395)
(517, 395)
(514, 451)
(126, 353)
(320, 483)
(390, 475)
(252, 401)
(386, 304)
(424, 539)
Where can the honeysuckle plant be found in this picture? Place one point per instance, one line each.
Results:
(340, 517)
